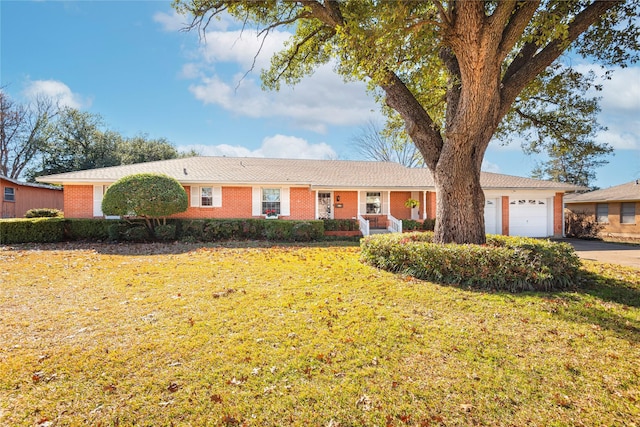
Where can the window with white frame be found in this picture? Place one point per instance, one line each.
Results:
(271, 201)
(602, 213)
(374, 202)
(628, 213)
(206, 196)
(9, 194)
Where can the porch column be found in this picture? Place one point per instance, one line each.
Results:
(423, 208)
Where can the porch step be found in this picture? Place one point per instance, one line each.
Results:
(378, 231)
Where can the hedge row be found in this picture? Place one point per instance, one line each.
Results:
(411, 224)
(45, 230)
(505, 263)
(36, 230)
(341, 225)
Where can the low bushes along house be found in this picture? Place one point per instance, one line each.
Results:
(375, 193)
(616, 209)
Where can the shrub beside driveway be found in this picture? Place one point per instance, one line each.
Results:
(177, 334)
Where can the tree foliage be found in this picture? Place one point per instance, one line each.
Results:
(451, 70)
(24, 130)
(146, 195)
(555, 116)
(79, 140)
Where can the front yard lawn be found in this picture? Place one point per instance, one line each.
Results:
(154, 335)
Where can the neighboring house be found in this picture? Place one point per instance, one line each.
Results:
(616, 208)
(373, 192)
(16, 197)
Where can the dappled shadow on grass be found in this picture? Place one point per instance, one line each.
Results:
(612, 283)
(606, 297)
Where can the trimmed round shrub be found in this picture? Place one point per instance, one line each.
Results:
(145, 195)
(505, 263)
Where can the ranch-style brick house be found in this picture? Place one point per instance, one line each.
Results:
(617, 208)
(372, 192)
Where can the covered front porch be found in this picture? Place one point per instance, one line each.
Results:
(377, 210)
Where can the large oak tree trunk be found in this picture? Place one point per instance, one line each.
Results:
(459, 199)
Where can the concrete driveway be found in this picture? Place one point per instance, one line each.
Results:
(613, 253)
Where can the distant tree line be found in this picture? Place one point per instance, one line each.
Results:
(43, 138)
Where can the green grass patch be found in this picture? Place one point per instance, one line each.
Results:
(181, 334)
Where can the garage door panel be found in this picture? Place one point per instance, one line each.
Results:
(528, 217)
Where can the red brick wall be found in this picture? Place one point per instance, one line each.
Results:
(396, 204)
(431, 204)
(78, 201)
(505, 215)
(236, 203)
(558, 218)
(303, 203)
(349, 201)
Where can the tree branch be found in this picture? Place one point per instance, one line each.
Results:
(454, 88)
(445, 15)
(329, 13)
(419, 125)
(521, 72)
(516, 26)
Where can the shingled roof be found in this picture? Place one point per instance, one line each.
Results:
(314, 173)
(629, 192)
(29, 184)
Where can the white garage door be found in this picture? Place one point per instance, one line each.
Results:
(491, 216)
(528, 217)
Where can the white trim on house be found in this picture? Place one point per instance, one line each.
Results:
(256, 200)
(196, 196)
(98, 194)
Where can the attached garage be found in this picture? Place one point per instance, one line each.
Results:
(530, 217)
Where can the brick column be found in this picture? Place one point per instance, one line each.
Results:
(505, 215)
(558, 215)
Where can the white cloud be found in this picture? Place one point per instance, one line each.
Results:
(620, 105)
(620, 138)
(171, 21)
(318, 101)
(56, 90)
(622, 92)
(488, 166)
(277, 146)
(291, 147)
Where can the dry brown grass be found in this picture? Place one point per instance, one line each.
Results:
(110, 335)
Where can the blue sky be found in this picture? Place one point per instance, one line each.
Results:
(129, 62)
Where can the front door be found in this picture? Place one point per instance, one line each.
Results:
(324, 206)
